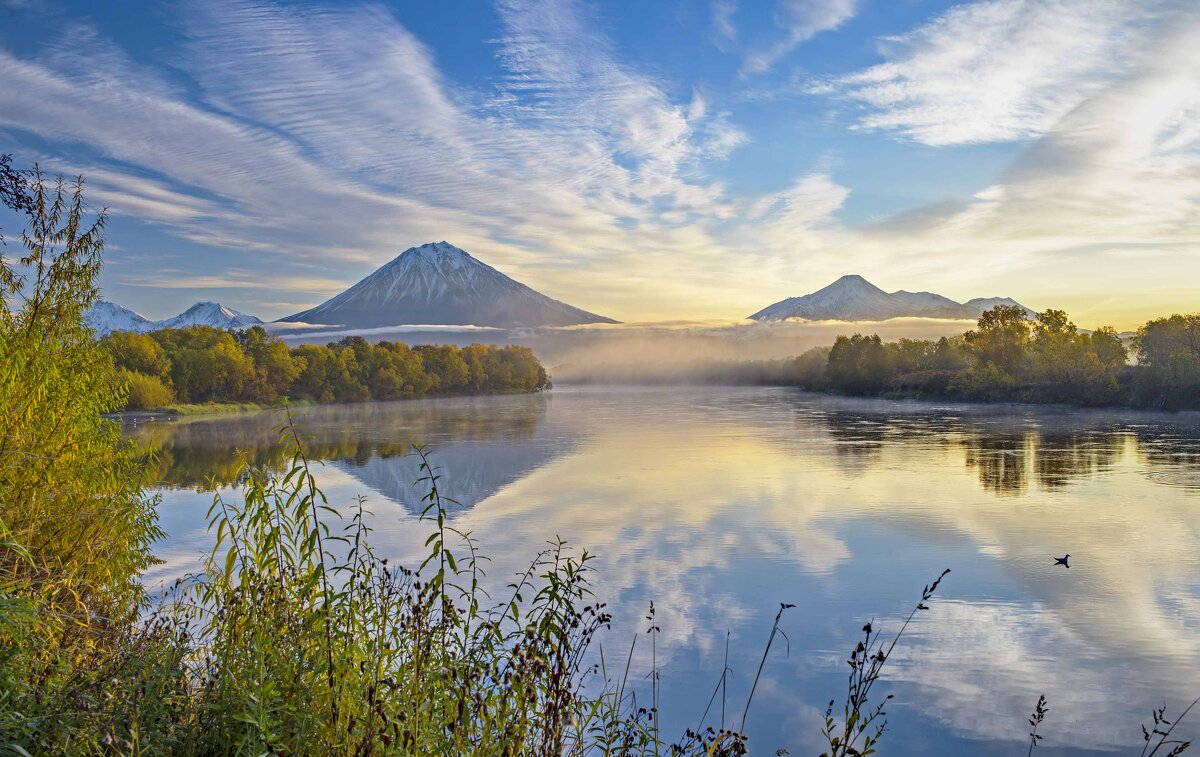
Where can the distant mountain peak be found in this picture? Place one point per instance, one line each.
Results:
(210, 313)
(442, 250)
(852, 282)
(853, 298)
(987, 303)
(439, 283)
(105, 317)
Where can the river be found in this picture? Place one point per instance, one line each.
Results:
(718, 504)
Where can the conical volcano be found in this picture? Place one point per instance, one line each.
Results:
(440, 284)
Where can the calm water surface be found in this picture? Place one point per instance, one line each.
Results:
(718, 504)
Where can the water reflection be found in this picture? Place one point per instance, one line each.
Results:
(718, 504)
(478, 451)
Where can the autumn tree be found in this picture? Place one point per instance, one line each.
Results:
(75, 523)
(1109, 348)
(274, 367)
(1000, 338)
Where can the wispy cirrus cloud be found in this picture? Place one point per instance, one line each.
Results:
(329, 136)
(999, 70)
(801, 20)
(724, 32)
(1104, 98)
(231, 278)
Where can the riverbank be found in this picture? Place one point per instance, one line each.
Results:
(202, 410)
(218, 409)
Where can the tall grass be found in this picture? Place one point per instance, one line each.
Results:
(861, 726)
(308, 641)
(305, 640)
(297, 638)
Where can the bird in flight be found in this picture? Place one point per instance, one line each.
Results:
(1062, 561)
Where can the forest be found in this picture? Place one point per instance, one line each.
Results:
(201, 364)
(1008, 357)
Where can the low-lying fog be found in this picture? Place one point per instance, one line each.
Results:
(637, 352)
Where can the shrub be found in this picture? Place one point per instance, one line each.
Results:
(75, 524)
(146, 392)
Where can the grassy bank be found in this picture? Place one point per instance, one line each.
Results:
(203, 408)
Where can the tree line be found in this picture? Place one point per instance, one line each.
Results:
(202, 364)
(1009, 357)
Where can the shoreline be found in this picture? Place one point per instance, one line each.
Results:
(220, 409)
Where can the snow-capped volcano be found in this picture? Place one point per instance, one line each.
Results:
(209, 314)
(106, 317)
(853, 298)
(439, 283)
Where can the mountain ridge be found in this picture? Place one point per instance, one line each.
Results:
(853, 298)
(105, 317)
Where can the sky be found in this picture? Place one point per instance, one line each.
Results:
(681, 159)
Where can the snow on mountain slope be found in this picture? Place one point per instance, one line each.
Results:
(929, 305)
(209, 314)
(849, 294)
(106, 317)
(981, 304)
(853, 298)
(439, 283)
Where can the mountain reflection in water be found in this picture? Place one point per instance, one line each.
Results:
(478, 451)
(720, 503)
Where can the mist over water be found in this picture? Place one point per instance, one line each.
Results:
(652, 352)
(720, 503)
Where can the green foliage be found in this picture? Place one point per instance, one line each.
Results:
(145, 392)
(15, 195)
(1063, 365)
(1109, 348)
(1035, 720)
(274, 367)
(1001, 338)
(858, 731)
(311, 644)
(859, 364)
(1006, 358)
(75, 524)
(138, 353)
(200, 365)
(206, 364)
(1168, 353)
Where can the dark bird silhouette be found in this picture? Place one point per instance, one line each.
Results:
(1062, 561)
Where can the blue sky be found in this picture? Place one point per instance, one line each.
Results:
(689, 159)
